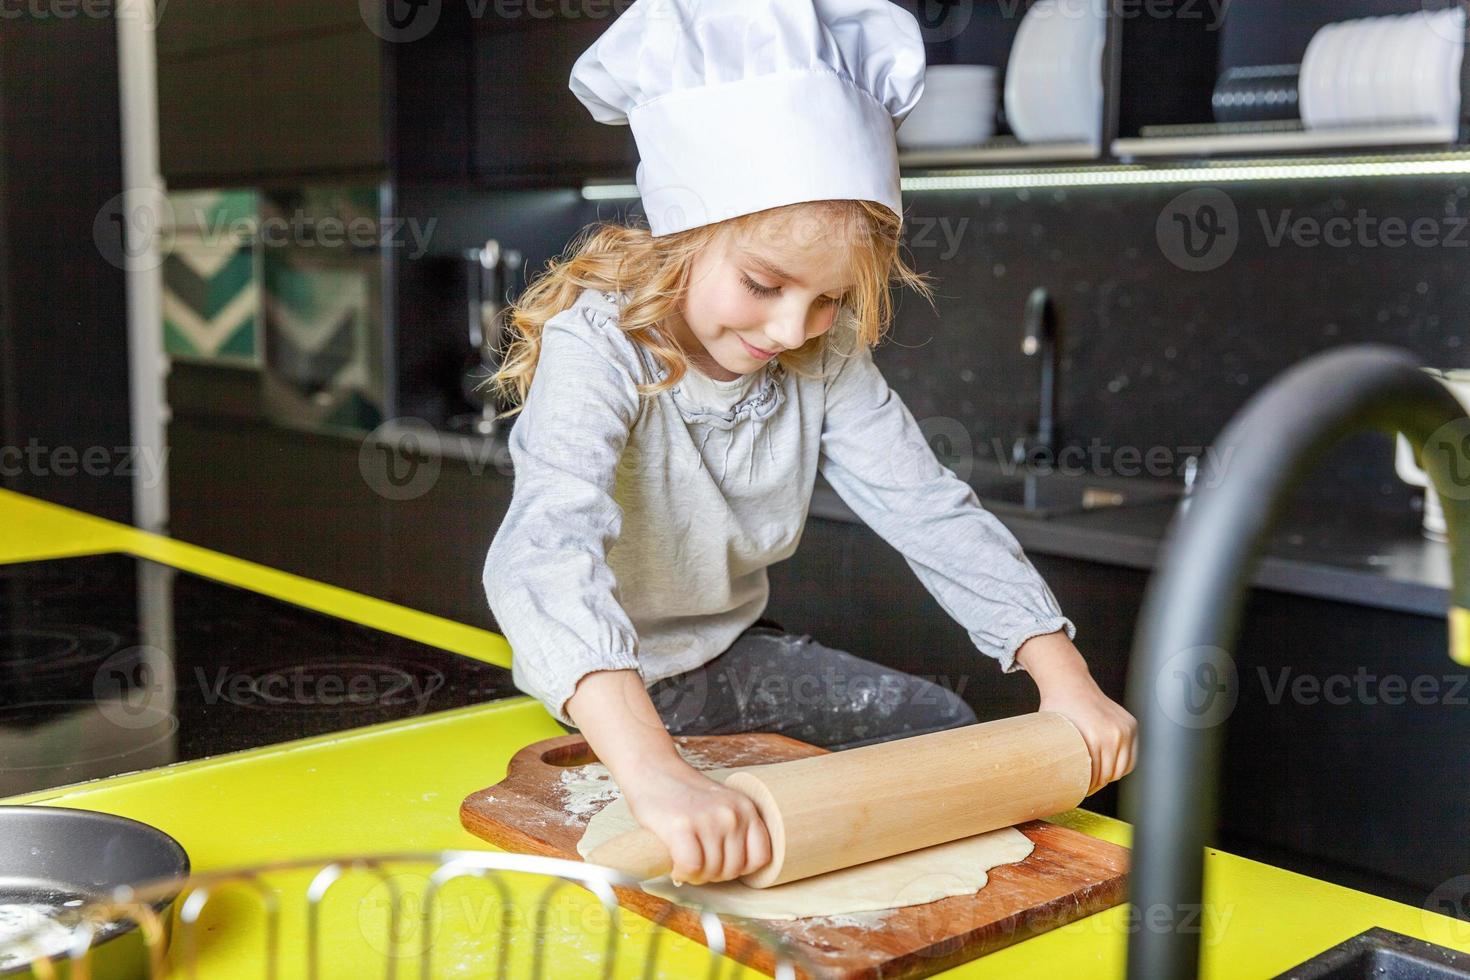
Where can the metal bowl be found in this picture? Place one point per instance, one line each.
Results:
(53, 860)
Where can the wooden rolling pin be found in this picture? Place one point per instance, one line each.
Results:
(858, 805)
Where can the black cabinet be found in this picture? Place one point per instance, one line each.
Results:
(65, 429)
(262, 90)
(528, 127)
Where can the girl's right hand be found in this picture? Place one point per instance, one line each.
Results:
(712, 833)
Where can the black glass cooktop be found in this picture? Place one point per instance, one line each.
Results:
(112, 663)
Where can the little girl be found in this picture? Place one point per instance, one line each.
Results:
(682, 385)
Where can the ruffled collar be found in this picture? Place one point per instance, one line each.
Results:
(765, 397)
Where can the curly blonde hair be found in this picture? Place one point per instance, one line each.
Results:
(654, 273)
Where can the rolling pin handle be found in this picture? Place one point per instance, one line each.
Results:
(638, 853)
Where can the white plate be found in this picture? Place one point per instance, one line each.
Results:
(1314, 83)
(1398, 69)
(1346, 109)
(1054, 82)
(1371, 83)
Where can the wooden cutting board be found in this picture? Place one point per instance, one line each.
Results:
(1067, 876)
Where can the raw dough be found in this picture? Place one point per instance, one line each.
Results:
(926, 875)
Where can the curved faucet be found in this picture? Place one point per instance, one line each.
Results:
(1181, 680)
(1040, 324)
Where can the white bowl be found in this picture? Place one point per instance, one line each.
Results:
(957, 108)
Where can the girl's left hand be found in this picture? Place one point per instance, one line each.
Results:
(1111, 733)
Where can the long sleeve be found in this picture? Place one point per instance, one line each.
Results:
(546, 575)
(876, 458)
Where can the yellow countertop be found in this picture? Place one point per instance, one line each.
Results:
(397, 787)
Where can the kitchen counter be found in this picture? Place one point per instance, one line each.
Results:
(1364, 555)
(396, 787)
(1358, 554)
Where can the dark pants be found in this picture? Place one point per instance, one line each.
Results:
(773, 681)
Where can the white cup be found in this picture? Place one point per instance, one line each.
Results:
(1408, 468)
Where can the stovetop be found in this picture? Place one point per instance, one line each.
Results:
(112, 663)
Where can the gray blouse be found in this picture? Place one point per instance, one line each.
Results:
(640, 529)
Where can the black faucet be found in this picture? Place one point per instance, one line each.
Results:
(1181, 680)
(1040, 323)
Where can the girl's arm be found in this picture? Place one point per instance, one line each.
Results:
(1067, 687)
(712, 833)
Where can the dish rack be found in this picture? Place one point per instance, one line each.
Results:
(430, 914)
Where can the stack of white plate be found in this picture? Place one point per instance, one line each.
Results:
(957, 108)
(1054, 87)
(1385, 70)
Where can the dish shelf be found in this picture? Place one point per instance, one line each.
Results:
(1160, 66)
(1206, 141)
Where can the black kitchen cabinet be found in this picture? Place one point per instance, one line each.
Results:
(266, 90)
(65, 428)
(528, 126)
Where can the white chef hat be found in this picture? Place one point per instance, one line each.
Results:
(742, 105)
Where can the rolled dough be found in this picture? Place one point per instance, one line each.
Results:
(926, 875)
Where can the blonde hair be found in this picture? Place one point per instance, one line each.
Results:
(654, 272)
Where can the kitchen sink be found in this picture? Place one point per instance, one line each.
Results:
(1047, 493)
(1383, 955)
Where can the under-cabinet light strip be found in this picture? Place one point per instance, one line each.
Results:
(1125, 174)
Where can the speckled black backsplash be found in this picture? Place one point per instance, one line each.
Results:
(1153, 354)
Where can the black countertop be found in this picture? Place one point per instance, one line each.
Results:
(1367, 556)
(1362, 555)
(1359, 555)
(111, 663)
